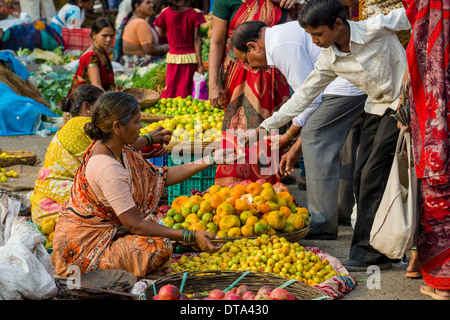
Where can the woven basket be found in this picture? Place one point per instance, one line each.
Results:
(146, 97)
(203, 281)
(19, 157)
(289, 236)
(150, 118)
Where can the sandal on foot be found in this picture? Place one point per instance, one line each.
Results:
(429, 291)
(413, 275)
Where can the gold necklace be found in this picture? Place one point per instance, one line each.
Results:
(248, 7)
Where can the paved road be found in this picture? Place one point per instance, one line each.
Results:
(392, 284)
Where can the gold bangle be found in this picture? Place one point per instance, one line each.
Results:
(290, 136)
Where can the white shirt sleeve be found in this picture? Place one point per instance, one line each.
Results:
(303, 59)
(313, 86)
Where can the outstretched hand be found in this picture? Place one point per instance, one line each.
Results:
(227, 156)
(203, 240)
(161, 135)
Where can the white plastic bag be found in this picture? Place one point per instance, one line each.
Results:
(26, 270)
(200, 88)
(396, 224)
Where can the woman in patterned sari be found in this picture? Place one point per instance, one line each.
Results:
(249, 95)
(136, 40)
(95, 66)
(429, 97)
(65, 152)
(115, 187)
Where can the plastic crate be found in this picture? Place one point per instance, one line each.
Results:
(200, 181)
(76, 39)
(159, 161)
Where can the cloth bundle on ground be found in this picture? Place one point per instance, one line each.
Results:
(34, 35)
(21, 103)
(26, 271)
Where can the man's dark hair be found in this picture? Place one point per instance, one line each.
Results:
(246, 32)
(322, 13)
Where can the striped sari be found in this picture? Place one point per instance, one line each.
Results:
(85, 234)
(428, 55)
(252, 95)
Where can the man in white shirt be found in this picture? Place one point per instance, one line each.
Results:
(290, 49)
(369, 55)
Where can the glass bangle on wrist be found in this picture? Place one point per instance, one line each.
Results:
(149, 139)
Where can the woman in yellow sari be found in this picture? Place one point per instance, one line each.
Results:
(64, 155)
(115, 187)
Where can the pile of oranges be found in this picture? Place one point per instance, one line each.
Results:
(243, 210)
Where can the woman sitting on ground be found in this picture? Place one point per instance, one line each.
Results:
(65, 153)
(136, 41)
(116, 187)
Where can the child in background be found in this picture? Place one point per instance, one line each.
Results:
(72, 14)
(181, 23)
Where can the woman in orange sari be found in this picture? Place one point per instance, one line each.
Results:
(114, 188)
(250, 96)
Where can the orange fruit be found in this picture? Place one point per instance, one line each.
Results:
(287, 212)
(241, 205)
(237, 191)
(247, 231)
(251, 221)
(216, 200)
(269, 194)
(206, 196)
(225, 192)
(225, 209)
(214, 189)
(228, 222)
(205, 206)
(261, 227)
(254, 188)
(296, 220)
(222, 234)
(197, 226)
(192, 218)
(289, 227)
(264, 207)
(286, 196)
(216, 219)
(231, 201)
(197, 199)
(271, 231)
(302, 210)
(277, 220)
(244, 216)
(234, 232)
(179, 201)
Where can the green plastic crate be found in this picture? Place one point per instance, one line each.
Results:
(200, 181)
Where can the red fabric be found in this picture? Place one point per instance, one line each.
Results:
(179, 80)
(428, 62)
(81, 75)
(179, 28)
(252, 95)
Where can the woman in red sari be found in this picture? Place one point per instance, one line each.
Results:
(429, 98)
(95, 66)
(250, 96)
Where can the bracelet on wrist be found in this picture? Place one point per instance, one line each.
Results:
(211, 160)
(149, 139)
(290, 136)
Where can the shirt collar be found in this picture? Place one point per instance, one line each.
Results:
(268, 41)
